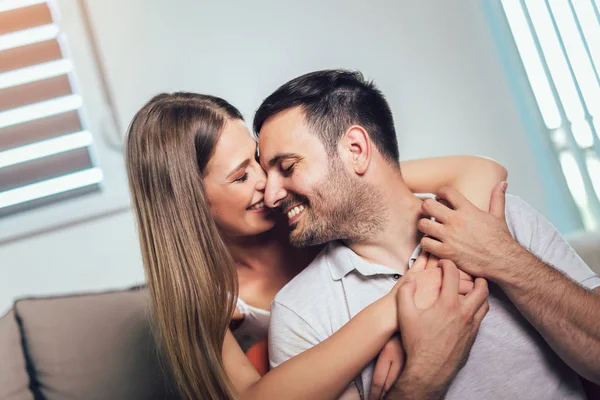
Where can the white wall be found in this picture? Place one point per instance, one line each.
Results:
(435, 60)
(98, 255)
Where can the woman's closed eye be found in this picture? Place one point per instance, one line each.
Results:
(242, 178)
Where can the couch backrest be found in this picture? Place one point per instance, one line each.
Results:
(93, 346)
(14, 380)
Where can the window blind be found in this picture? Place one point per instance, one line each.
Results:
(559, 45)
(45, 148)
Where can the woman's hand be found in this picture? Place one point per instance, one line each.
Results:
(437, 340)
(388, 367)
(428, 279)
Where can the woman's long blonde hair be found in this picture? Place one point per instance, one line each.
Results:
(190, 273)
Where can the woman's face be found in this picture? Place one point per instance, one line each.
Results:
(234, 182)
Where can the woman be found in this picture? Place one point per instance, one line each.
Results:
(208, 242)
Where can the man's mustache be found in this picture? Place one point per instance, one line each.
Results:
(290, 200)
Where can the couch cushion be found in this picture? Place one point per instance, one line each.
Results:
(93, 346)
(14, 381)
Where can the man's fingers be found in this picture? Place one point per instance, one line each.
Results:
(450, 281)
(485, 307)
(453, 197)
(431, 228)
(474, 300)
(436, 209)
(498, 200)
(432, 246)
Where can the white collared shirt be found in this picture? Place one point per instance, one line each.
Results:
(509, 358)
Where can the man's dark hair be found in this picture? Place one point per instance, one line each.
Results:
(332, 101)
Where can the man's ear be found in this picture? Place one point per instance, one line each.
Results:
(357, 144)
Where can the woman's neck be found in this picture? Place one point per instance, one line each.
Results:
(270, 253)
(249, 250)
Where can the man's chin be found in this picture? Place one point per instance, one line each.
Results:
(297, 241)
(299, 238)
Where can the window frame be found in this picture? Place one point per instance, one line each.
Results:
(113, 196)
(565, 212)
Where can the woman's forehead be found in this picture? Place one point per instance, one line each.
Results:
(234, 145)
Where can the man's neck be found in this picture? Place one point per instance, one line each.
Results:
(394, 244)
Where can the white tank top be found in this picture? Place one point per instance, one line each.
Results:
(254, 327)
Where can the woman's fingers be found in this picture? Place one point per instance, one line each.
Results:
(395, 370)
(465, 287)
(432, 262)
(387, 368)
(421, 262)
(464, 276)
(382, 368)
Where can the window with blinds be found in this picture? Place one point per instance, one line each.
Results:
(45, 148)
(559, 45)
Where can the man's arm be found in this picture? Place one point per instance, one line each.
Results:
(565, 313)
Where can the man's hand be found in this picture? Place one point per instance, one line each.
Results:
(428, 280)
(437, 340)
(472, 238)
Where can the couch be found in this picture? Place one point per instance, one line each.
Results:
(100, 346)
(89, 346)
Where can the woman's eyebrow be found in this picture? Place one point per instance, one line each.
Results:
(243, 164)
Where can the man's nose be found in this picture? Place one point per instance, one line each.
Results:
(274, 193)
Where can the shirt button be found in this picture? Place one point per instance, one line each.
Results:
(396, 276)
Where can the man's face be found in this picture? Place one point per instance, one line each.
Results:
(308, 185)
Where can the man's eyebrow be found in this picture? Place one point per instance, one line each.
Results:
(280, 156)
(242, 165)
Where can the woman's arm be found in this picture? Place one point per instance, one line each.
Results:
(310, 374)
(326, 370)
(474, 177)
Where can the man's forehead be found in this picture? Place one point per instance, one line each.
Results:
(273, 150)
(271, 141)
(283, 134)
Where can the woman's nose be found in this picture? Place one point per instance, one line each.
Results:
(261, 184)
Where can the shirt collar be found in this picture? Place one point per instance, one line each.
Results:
(341, 260)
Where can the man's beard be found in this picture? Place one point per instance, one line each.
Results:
(340, 208)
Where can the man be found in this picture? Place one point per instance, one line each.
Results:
(328, 143)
